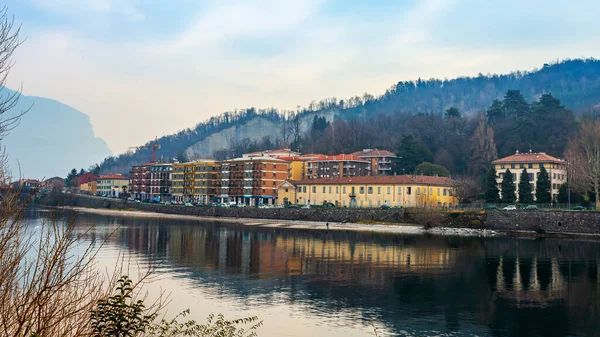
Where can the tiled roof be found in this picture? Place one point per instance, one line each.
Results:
(113, 176)
(374, 153)
(401, 179)
(249, 159)
(528, 158)
(340, 157)
(304, 157)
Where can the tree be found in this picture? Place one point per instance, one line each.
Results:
(508, 188)
(495, 112)
(483, 148)
(95, 169)
(583, 156)
(452, 113)
(429, 169)
(563, 195)
(465, 188)
(542, 187)
(525, 191)
(492, 194)
(412, 152)
(81, 172)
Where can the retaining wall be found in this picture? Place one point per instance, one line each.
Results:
(550, 222)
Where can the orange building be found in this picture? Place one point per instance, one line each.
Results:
(251, 181)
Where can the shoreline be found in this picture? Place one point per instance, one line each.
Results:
(295, 224)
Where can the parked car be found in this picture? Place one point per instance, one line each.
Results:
(579, 208)
(293, 206)
(189, 204)
(489, 207)
(531, 207)
(384, 206)
(306, 206)
(510, 208)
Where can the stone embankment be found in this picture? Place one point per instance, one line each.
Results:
(540, 222)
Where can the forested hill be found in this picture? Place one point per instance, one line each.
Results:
(576, 83)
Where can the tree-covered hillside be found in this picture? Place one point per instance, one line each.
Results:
(391, 119)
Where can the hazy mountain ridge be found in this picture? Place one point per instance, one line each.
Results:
(575, 82)
(51, 139)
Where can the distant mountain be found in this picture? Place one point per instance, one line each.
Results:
(576, 83)
(51, 139)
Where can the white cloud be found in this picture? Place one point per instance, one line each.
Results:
(126, 8)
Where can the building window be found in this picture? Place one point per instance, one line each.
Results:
(512, 166)
(530, 165)
(445, 192)
(286, 190)
(388, 190)
(370, 190)
(399, 190)
(330, 189)
(418, 191)
(521, 166)
(314, 189)
(362, 190)
(378, 190)
(450, 192)
(430, 191)
(541, 165)
(408, 190)
(323, 189)
(502, 167)
(344, 189)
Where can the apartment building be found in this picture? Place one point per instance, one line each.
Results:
(532, 162)
(139, 181)
(252, 180)
(182, 181)
(381, 162)
(339, 166)
(298, 165)
(205, 180)
(160, 180)
(112, 184)
(369, 191)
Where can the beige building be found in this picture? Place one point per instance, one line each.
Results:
(556, 168)
(370, 191)
(112, 184)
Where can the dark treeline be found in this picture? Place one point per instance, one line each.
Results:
(413, 114)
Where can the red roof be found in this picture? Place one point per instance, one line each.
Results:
(113, 176)
(86, 178)
(402, 179)
(528, 158)
(374, 153)
(340, 157)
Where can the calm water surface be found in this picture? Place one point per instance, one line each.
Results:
(308, 283)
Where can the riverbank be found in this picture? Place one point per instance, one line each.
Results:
(513, 223)
(395, 228)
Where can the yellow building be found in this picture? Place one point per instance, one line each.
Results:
(112, 185)
(195, 181)
(90, 187)
(205, 180)
(370, 191)
(182, 181)
(298, 165)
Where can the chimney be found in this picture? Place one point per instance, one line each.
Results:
(517, 152)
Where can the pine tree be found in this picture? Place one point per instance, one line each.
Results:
(542, 189)
(492, 194)
(525, 188)
(508, 188)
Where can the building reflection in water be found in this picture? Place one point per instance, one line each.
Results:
(419, 283)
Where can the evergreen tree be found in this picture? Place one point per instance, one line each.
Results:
(413, 152)
(453, 113)
(542, 190)
(495, 112)
(492, 194)
(508, 188)
(525, 188)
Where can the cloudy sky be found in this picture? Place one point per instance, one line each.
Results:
(142, 68)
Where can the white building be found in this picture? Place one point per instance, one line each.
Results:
(112, 184)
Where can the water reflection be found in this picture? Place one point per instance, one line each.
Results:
(412, 284)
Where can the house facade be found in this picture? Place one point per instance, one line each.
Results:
(271, 154)
(139, 181)
(160, 180)
(112, 185)
(369, 191)
(532, 162)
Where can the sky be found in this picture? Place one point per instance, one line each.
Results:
(146, 68)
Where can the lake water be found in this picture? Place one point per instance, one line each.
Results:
(319, 283)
